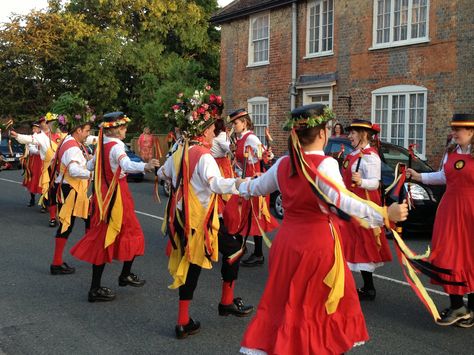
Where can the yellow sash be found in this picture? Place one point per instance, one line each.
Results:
(76, 203)
(194, 252)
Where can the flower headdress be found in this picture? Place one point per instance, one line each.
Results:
(71, 111)
(308, 116)
(114, 119)
(196, 113)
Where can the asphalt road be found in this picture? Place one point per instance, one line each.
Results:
(45, 314)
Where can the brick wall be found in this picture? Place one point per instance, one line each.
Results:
(444, 66)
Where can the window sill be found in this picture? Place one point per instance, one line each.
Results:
(259, 64)
(318, 55)
(398, 44)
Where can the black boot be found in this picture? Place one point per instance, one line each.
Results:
(182, 331)
(236, 308)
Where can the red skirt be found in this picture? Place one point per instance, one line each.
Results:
(35, 166)
(360, 245)
(453, 239)
(238, 211)
(291, 317)
(129, 243)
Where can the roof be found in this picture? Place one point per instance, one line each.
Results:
(242, 8)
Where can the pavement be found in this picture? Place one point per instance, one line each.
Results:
(45, 314)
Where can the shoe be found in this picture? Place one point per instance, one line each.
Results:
(236, 308)
(366, 295)
(466, 323)
(454, 315)
(63, 269)
(131, 280)
(182, 331)
(101, 294)
(52, 223)
(253, 260)
(31, 204)
(43, 210)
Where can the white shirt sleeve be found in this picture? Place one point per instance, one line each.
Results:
(435, 178)
(208, 169)
(253, 142)
(330, 168)
(119, 156)
(370, 171)
(166, 172)
(263, 185)
(76, 163)
(91, 164)
(220, 145)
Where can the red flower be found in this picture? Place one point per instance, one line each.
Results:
(175, 107)
(201, 110)
(208, 88)
(212, 98)
(219, 100)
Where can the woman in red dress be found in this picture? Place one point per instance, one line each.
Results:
(33, 166)
(145, 145)
(115, 232)
(250, 217)
(364, 249)
(453, 232)
(310, 304)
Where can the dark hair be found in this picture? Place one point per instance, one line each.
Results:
(334, 128)
(219, 126)
(305, 136)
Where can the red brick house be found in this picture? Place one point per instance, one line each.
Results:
(405, 64)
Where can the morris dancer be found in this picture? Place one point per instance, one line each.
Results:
(452, 242)
(254, 217)
(115, 233)
(310, 304)
(71, 181)
(364, 249)
(32, 166)
(47, 142)
(192, 221)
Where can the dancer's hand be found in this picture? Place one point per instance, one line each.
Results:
(152, 164)
(413, 175)
(357, 179)
(398, 212)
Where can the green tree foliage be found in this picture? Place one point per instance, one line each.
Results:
(132, 55)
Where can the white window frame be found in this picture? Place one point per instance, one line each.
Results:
(258, 127)
(398, 43)
(319, 53)
(397, 90)
(251, 59)
(323, 90)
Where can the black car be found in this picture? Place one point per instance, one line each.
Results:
(426, 198)
(12, 151)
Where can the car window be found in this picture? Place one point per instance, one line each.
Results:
(394, 154)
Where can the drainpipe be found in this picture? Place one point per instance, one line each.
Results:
(294, 28)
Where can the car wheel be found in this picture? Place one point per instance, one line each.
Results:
(277, 206)
(166, 188)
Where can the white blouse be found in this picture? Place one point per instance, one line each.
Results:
(268, 182)
(76, 163)
(117, 157)
(40, 139)
(370, 169)
(206, 178)
(220, 145)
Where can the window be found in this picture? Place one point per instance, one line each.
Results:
(318, 96)
(319, 36)
(400, 22)
(259, 39)
(258, 110)
(401, 113)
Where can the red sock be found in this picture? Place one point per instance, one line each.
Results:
(52, 212)
(227, 292)
(183, 312)
(58, 251)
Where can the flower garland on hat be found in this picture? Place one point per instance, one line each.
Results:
(196, 113)
(303, 122)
